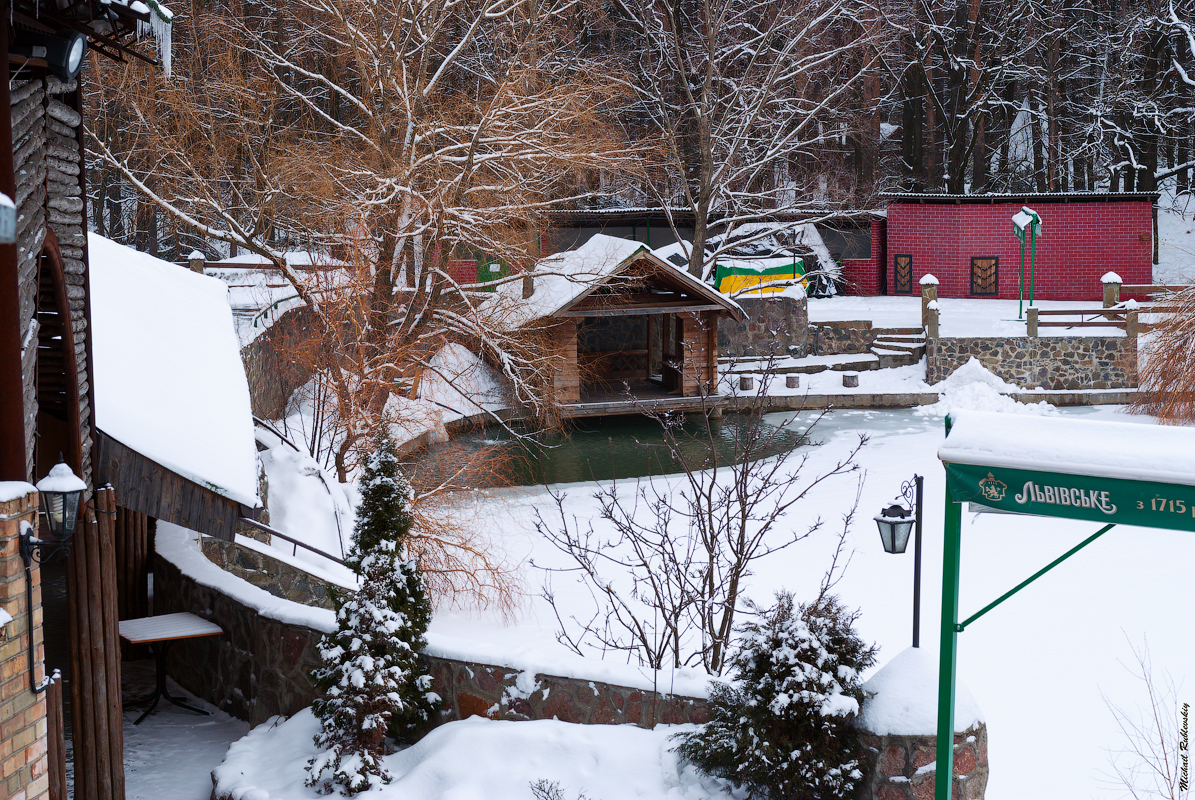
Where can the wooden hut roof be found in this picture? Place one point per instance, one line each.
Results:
(606, 276)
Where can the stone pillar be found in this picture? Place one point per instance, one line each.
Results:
(897, 762)
(196, 261)
(896, 728)
(1112, 285)
(929, 295)
(1031, 321)
(24, 764)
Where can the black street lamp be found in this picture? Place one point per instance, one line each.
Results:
(895, 523)
(60, 492)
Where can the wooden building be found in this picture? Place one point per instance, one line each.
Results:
(635, 332)
(48, 389)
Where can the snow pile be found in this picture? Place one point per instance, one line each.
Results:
(15, 490)
(169, 382)
(61, 479)
(179, 547)
(480, 758)
(1111, 277)
(973, 386)
(306, 503)
(458, 381)
(1119, 450)
(902, 698)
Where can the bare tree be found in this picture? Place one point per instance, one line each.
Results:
(667, 565)
(747, 98)
(1167, 374)
(395, 136)
(1153, 761)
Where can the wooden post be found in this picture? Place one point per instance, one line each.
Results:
(1031, 321)
(932, 318)
(1131, 327)
(929, 294)
(95, 652)
(1111, 293)
(196, 261)
(56, 741)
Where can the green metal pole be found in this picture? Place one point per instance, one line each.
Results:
(1021, 290)
(951, 550)
(1032, 258)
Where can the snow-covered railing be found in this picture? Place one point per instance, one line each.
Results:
(295, 542)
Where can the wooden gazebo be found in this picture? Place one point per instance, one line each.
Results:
(635, 332)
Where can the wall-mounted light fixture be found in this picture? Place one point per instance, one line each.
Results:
(61, 492)
(62, 51)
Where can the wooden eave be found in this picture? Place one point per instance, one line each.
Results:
(681, 292)
(145, 486)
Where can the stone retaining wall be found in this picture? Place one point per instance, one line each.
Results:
(266, 572)
(896, 766)
(774, 326)
(841, 338)
(1045, 362)
(271, 369)
(260, 667)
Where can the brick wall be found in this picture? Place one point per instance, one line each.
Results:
(1080, 241)
(862, 276)
(23, 743)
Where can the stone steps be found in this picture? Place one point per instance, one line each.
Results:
(898, 347)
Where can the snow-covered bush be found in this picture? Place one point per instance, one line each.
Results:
(781, 728)
(371, 681)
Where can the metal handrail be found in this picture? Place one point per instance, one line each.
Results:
(297, 544)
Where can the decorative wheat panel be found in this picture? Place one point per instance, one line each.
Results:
(984, 272)
(904, 273)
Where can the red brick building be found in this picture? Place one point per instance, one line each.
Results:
(967, 242)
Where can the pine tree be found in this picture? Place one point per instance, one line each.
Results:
(782, 728)
(372, 681)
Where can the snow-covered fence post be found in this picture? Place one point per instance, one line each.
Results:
(1112, 283)
(1031, 322)
(899, 739)
(930, 320)
(929, 294)
(196, 261)
(1131, 326)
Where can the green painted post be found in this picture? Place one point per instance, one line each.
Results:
(1032, 257)
(951, 552)
(1021, 289)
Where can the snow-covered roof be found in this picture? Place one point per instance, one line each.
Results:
(1123, 450)
(564, 278)
(169, 382)
(295, 258)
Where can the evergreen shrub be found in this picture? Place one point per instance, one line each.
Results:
(782, 727)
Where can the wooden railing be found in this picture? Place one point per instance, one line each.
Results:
(1125, 319)
(294, 542)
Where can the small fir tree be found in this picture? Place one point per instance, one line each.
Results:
(782, 728)
(371, 680)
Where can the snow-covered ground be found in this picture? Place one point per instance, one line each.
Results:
(1042, 668)
(172, 753)
(481, 759)
(1039, 667)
